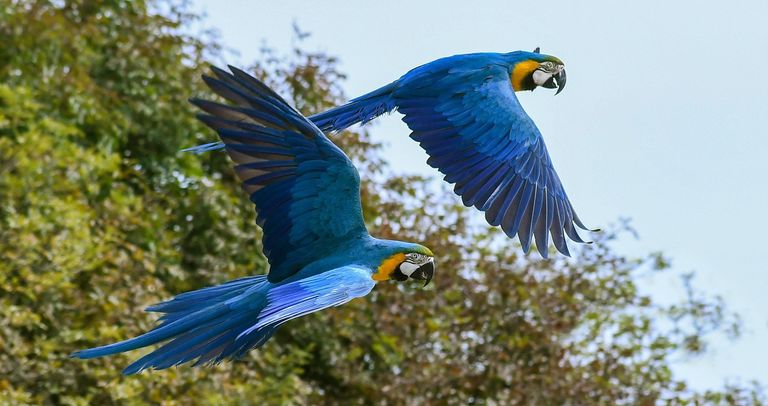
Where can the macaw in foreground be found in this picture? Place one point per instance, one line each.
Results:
(307, 195)
(464, 113)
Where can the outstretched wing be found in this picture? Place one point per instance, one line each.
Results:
(470, 122)
(306, 190)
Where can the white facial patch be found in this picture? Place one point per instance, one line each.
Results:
(540, 77)
(407, 268)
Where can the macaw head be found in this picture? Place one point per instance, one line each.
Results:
(416, 266)
(533, 69)
(411, 261)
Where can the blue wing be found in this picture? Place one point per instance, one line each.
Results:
(468, 119)
(306, 190)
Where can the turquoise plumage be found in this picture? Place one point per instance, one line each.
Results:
(307, 194)
(463, 111)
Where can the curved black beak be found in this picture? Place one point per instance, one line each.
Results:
(559, 78)
(556, 81)
(425, 272)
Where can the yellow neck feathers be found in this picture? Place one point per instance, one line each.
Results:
(388, 266)
(520, 72)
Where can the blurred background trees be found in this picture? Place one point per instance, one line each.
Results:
(100, 216)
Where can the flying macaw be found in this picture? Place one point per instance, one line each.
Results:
(307, 197)
(464, 113)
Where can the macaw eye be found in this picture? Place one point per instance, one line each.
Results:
(548, 66)
(415, 258)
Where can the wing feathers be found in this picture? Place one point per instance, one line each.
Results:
(304, 188)
(468, 119)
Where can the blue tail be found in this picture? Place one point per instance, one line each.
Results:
(211, 146)
(360, 110)
(205, 324)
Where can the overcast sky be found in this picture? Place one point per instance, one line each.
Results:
(663, 120)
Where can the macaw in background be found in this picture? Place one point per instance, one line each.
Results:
(307, 196)
(464, 113)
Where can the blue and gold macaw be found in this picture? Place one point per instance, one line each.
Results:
(464, 113)
(307, 195)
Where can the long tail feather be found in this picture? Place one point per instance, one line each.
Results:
(205, 324)
(211, 146)
(360, 110)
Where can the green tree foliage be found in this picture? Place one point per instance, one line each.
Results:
(100, 215)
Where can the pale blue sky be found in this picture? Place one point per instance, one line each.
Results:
(663, 120)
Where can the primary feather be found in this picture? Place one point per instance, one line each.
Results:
(305, 188)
